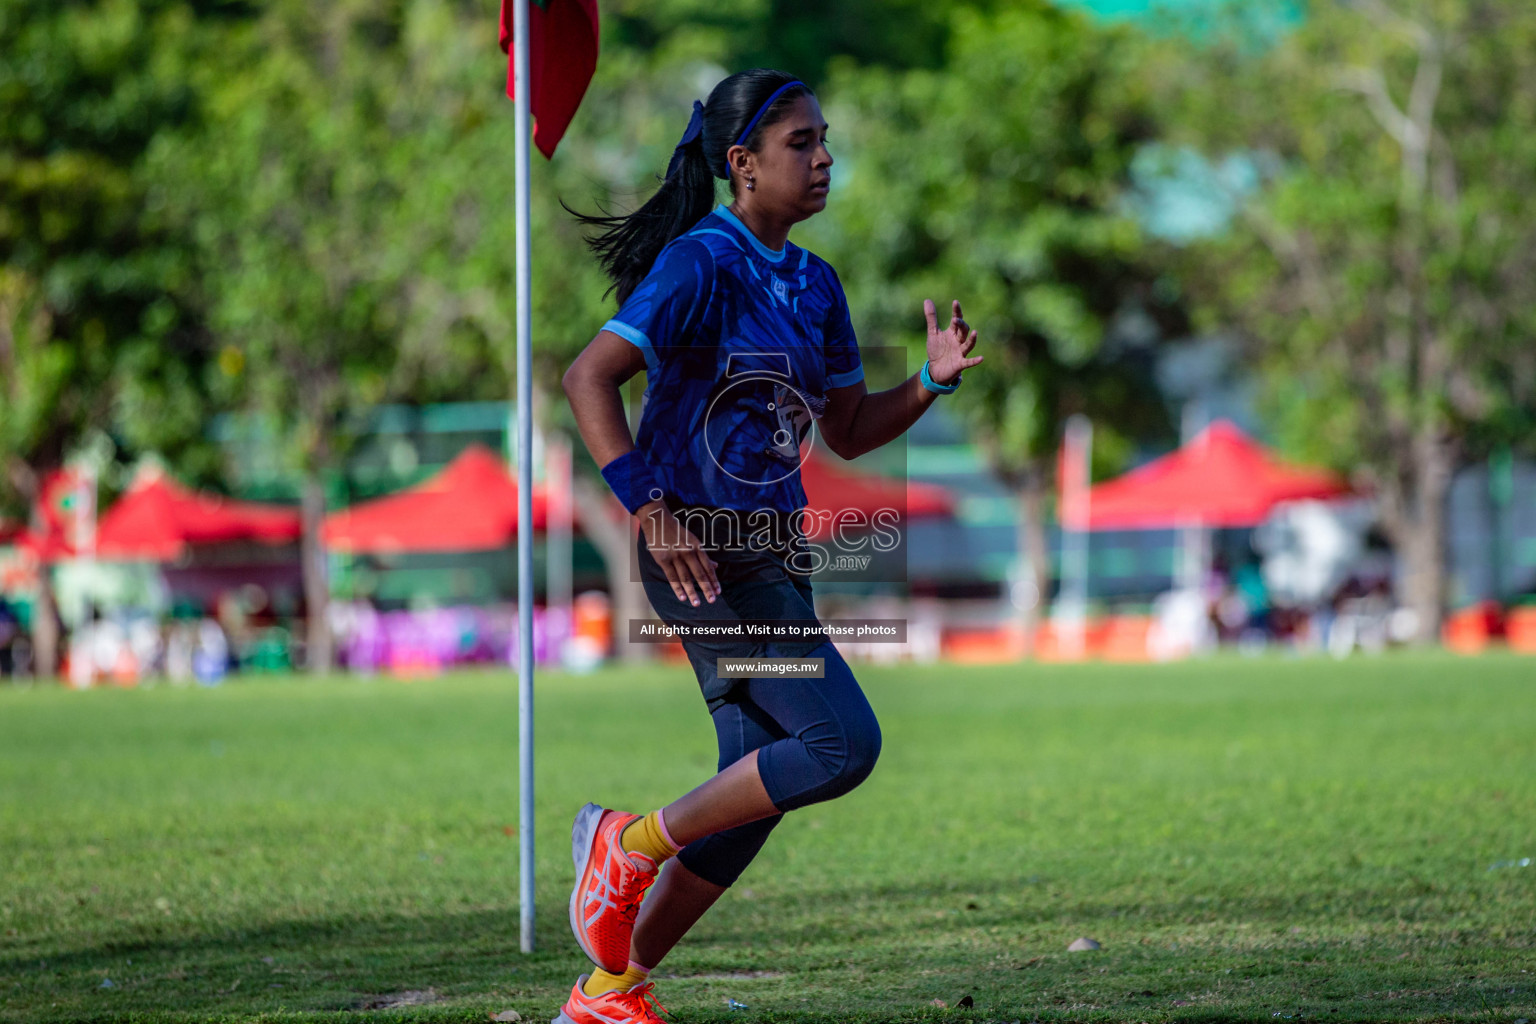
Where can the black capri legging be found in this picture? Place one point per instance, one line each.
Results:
(816, 738)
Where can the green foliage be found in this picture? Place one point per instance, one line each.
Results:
(805, 37)
(34, 371)
(1385, 284)
(997, 180)
(288, 188)
(1245, 837)
(331, 226)
(92, 334)
(1383, 278)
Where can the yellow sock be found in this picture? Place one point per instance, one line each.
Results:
(601, 981)
(649, 836)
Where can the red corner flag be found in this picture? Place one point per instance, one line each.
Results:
(562, 54)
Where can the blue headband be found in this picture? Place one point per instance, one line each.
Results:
(780, 91)
(695, 127)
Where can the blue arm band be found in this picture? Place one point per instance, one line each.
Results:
(935, 386)
(633, 481)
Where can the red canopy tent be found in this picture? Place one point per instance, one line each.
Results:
(158, 520)
(470, 505)
(1222, 478)
(831, 488)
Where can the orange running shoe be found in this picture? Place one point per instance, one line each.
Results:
(636, 1006)
(609, 886)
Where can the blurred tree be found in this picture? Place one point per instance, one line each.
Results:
(92, 333)
(805, 37)
(1384, 277)
(658, 56)
(291, 188)
(350, 193)
(331, 226)
(458, 215)
(997, 180)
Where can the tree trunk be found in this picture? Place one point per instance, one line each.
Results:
(1422, 536)
(1034, 545)
(46, 634)
(46, 631)
(615, 541)
(317, 587)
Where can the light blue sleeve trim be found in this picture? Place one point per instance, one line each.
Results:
(630, 334)
(847, 377)
(636, 338)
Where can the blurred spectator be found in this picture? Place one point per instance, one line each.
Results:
(210, 656)
(1181, 625)
(10, 634)
(180, 642)
(148, 648)
(1362, 617)
(1249, 583)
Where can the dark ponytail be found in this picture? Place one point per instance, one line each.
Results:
(627, 246)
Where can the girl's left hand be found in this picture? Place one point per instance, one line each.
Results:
(949, 349)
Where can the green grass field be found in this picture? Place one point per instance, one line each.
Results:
(1248, 839)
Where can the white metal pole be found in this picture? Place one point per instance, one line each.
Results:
(522, 88)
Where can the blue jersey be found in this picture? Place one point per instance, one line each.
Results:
(741, 345)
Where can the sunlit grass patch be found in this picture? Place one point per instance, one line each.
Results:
(1245, 838)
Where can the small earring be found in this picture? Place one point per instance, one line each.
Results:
(751, 183)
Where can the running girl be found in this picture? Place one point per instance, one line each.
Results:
(745, 339)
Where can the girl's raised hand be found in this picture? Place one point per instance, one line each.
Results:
(949, 349)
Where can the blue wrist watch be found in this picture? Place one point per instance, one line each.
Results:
(935, 386)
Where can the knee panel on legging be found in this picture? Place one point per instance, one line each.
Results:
(834, 738)
(815, 739)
